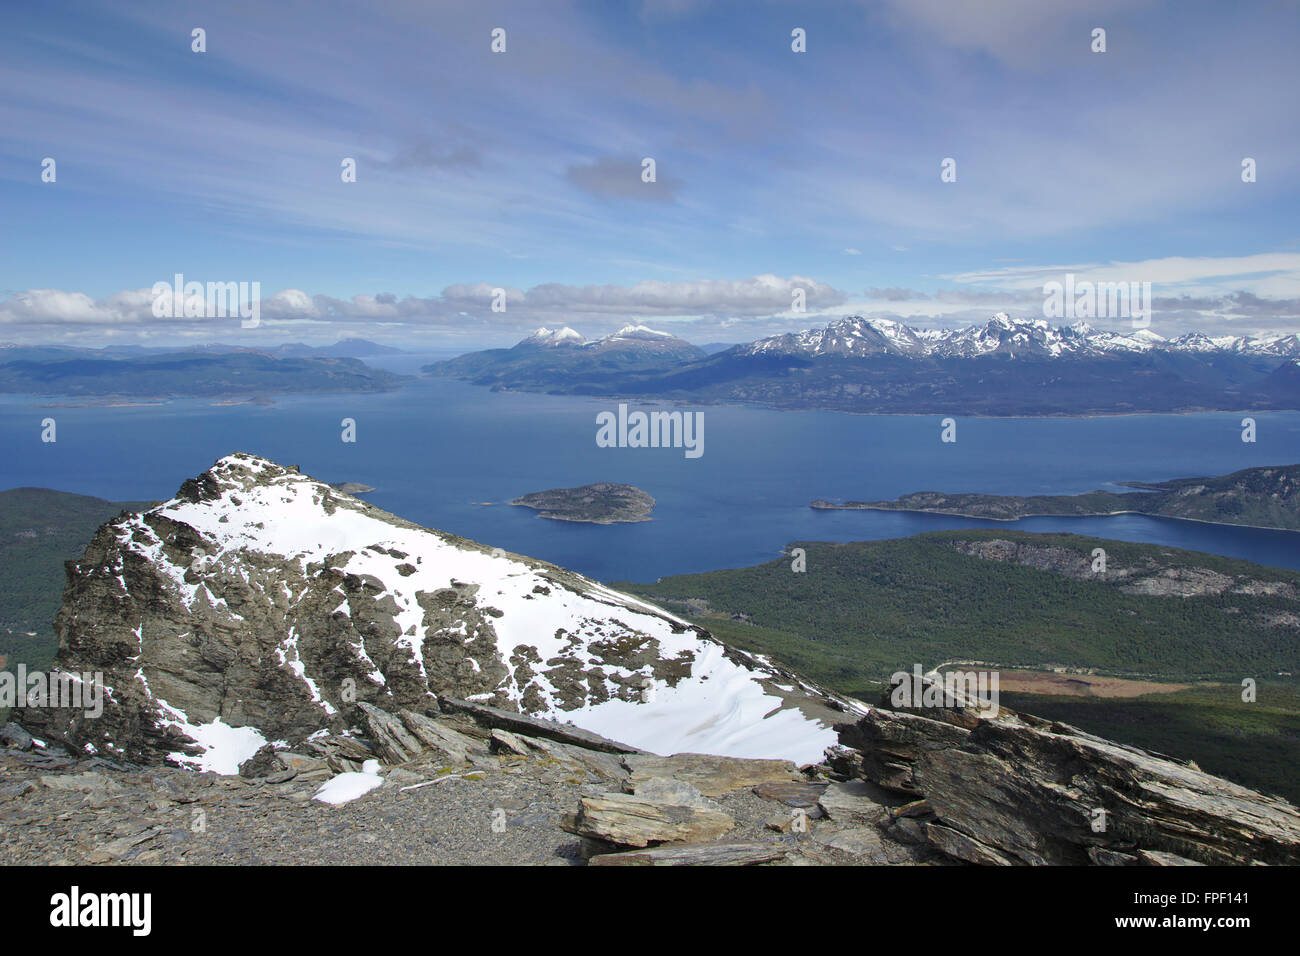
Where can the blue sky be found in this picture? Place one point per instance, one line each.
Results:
(521, 170)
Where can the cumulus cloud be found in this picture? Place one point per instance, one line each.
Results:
(460, 309)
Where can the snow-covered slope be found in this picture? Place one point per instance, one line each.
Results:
(259, 605)
(552, 337)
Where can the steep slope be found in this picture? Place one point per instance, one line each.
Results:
(40, 529)
(260, 605)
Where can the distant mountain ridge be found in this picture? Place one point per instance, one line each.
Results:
(551, 358)
(1005, 367)
(196, 373)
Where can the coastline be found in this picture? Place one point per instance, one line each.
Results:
(1095, 514)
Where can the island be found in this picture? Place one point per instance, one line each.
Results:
(1267, 497)
(604, 502)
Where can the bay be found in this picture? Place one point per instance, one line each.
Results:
(436, 450)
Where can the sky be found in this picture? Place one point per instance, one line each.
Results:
(522, 170)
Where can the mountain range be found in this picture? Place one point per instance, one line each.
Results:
(549, 357)
(202, 371)
(1005, 367)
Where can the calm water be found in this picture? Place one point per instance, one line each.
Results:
(435, 449)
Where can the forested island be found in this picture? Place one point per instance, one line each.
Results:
(604, 502)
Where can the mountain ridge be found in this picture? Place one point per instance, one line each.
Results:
(1005, 367)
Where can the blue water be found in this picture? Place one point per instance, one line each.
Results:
(434, 449)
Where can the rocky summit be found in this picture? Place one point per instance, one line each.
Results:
(260, 608)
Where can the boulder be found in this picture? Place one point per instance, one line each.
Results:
(852, 802)
(504, 742)
(14, 737)
(436, 736)
(627, 820)
(494, 717)
(392, 739)
(711, 775)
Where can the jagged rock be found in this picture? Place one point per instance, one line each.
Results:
(844, 762)
(11, 791)
(962, 847)
(626, 820)
(395, 744)
(917, 808)
(713, 854)
(1160, 858)
(88, 782)
(495, 718)
(666, 790)
(298, 762)
(891, 742)
(711, 775)
(349, 748)
(794, 820)
(1020, 789)
(863, 842)
(852, 802)
(503, 741)
(434, 735)
(597, 765)
(14, 737)
(803, 795)
(261, 764)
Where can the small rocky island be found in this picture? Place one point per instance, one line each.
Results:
(602, 503)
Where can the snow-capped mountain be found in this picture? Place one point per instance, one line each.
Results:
(545, 337)
(1002, 335)
(260, 605)
(563, 356)
(851, 336)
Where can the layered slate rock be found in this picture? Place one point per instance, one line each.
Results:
(1015, 789)
(260, 605)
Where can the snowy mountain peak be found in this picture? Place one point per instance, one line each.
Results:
(562, 336)
(639, 331)
(261, 605)
(1003, 334)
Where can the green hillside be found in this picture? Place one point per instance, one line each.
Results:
(39, 530)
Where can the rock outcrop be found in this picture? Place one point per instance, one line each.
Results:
(260, 605)
(1015, 789)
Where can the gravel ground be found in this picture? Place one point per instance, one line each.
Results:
(506, 810)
